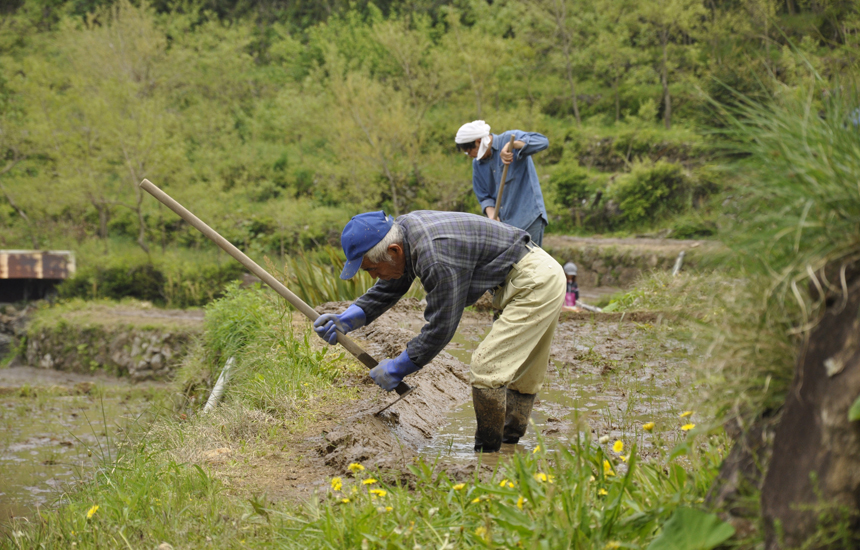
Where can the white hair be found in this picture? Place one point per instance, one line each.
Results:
(379, 253)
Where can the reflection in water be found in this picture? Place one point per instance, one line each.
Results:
(48, 441)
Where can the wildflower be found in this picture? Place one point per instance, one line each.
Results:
(92, 511)
(624, 458)
(540, 476)
(607, 469)
(685, 414)
(344, 500)
(507, 483)
(368, 481)
(379, 492)
(389, 508)
(520, 502)
(476, 500)
(602, 492)
(355, 468)
(482, 532)
(648, 426)
(618, 446)
(603, 439)
(536, 449)
(612, 545)
(459, 486)
(688, 427)
(336, 483)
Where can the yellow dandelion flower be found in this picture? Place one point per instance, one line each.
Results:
(389, 508)
(536, 449)
(459, 486)
(355, 468)
(378, 492)
(685, 414)
(368, 481)
(481, 531)
(511, 484)
(648, 426)
(618, 446)
(602, 492)
(540, 476)
(476, 500)
(688, 427)
(92, 511)
(520, 502)
(624, 458)
(607, 469)
(503, 483)
(336, 483)
(344, 500)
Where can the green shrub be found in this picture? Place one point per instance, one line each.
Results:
(172, 286)
(572, 185)
(650, 192)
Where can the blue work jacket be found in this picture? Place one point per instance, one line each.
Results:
(522, 200)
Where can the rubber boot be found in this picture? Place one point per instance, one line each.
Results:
(518, 408)
(490, 414)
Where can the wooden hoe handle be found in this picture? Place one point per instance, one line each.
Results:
(498, 216)
(264, 275)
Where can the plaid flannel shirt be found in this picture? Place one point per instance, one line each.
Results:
(457, 257)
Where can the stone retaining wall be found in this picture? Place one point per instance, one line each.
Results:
(139, 353)
(619, 262)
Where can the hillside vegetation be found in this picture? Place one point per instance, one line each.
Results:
(276, 122)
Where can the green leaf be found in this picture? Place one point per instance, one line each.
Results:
(690, 529)
(854, 411)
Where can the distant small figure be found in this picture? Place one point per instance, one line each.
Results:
(572, 295)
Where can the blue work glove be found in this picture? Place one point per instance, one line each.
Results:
(391, 372)
(328, 325)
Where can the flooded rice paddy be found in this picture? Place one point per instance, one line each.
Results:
(53, 436)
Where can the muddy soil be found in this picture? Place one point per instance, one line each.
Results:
(609, 375)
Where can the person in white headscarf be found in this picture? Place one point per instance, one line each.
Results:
(522, 201)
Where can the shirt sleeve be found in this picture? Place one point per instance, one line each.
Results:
(382, 296)
(485, 189)
(534, 143)
(447, 289)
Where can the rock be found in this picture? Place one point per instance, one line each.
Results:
(5, 344)
(816, 450)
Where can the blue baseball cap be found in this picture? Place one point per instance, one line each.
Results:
(362, 233)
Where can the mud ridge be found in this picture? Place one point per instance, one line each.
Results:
(393, 439)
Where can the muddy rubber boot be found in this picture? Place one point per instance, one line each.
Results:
(518, 408)
(490, 414)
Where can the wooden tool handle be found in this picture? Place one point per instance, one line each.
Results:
(498, 216)
(264, 275)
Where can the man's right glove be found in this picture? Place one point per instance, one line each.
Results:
(391, 372)
(328, 325)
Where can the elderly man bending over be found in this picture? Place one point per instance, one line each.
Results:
(458, 257)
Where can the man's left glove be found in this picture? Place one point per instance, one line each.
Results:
(391, 372)
(328, 325)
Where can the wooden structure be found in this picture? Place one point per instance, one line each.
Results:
(32, 274)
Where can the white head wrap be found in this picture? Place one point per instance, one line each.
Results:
(477, 129)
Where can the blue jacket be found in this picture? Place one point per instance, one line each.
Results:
(522, 200)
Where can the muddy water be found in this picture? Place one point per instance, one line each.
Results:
(53, 435)
(606, 379)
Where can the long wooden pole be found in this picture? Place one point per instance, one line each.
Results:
(264, 275)
(498, 216)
